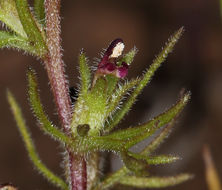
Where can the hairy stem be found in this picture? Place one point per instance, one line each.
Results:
(54, 63)
(56, 73)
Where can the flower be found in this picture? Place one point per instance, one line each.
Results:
(109, 63)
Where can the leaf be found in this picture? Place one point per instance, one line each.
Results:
(38, 110)
(129, 57)
(155, 160)
(31, 28)
(39, 10)
(146, 78)
(162, 159)
(117, 97)
(9, 16)
(30, 145)
(84, 74)
(137, 165)
(153, 145)
(12, 41)
(154, 182)
(136, 134)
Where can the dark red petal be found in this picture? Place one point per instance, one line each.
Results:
(110, 67)
(122, 70)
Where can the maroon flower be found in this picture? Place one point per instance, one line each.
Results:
(108, 63)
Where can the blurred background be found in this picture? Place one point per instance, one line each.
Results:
(195, 64)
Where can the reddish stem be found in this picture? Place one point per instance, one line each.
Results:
(54, 63)
(56, 73)
(79, 177)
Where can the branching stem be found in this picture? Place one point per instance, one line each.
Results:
(56, 73)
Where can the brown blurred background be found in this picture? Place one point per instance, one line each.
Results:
(195, 64)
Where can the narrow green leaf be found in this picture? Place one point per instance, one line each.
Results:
(135, 163)
(136, 134)
(12, 41)
(139, 163)
(154, 182)
(9, 16)
(31, 28)
(146, 78)
(155, 143)
(30, 145)
(39, 10)
(38, 110)
(129, 57)
(84, 74)
(118, 95)
(161, 159)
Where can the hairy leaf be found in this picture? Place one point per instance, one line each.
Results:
(84, 74)
(154, 160)
(9, 16)
(118, 95)
(38, 110)
(136, 164)
(136, 134)
(12, 41)
(30, 145)
(155, 143)
(139, 163)
(31, 28)
(39, 11)
(154, 182)
(129, 57)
